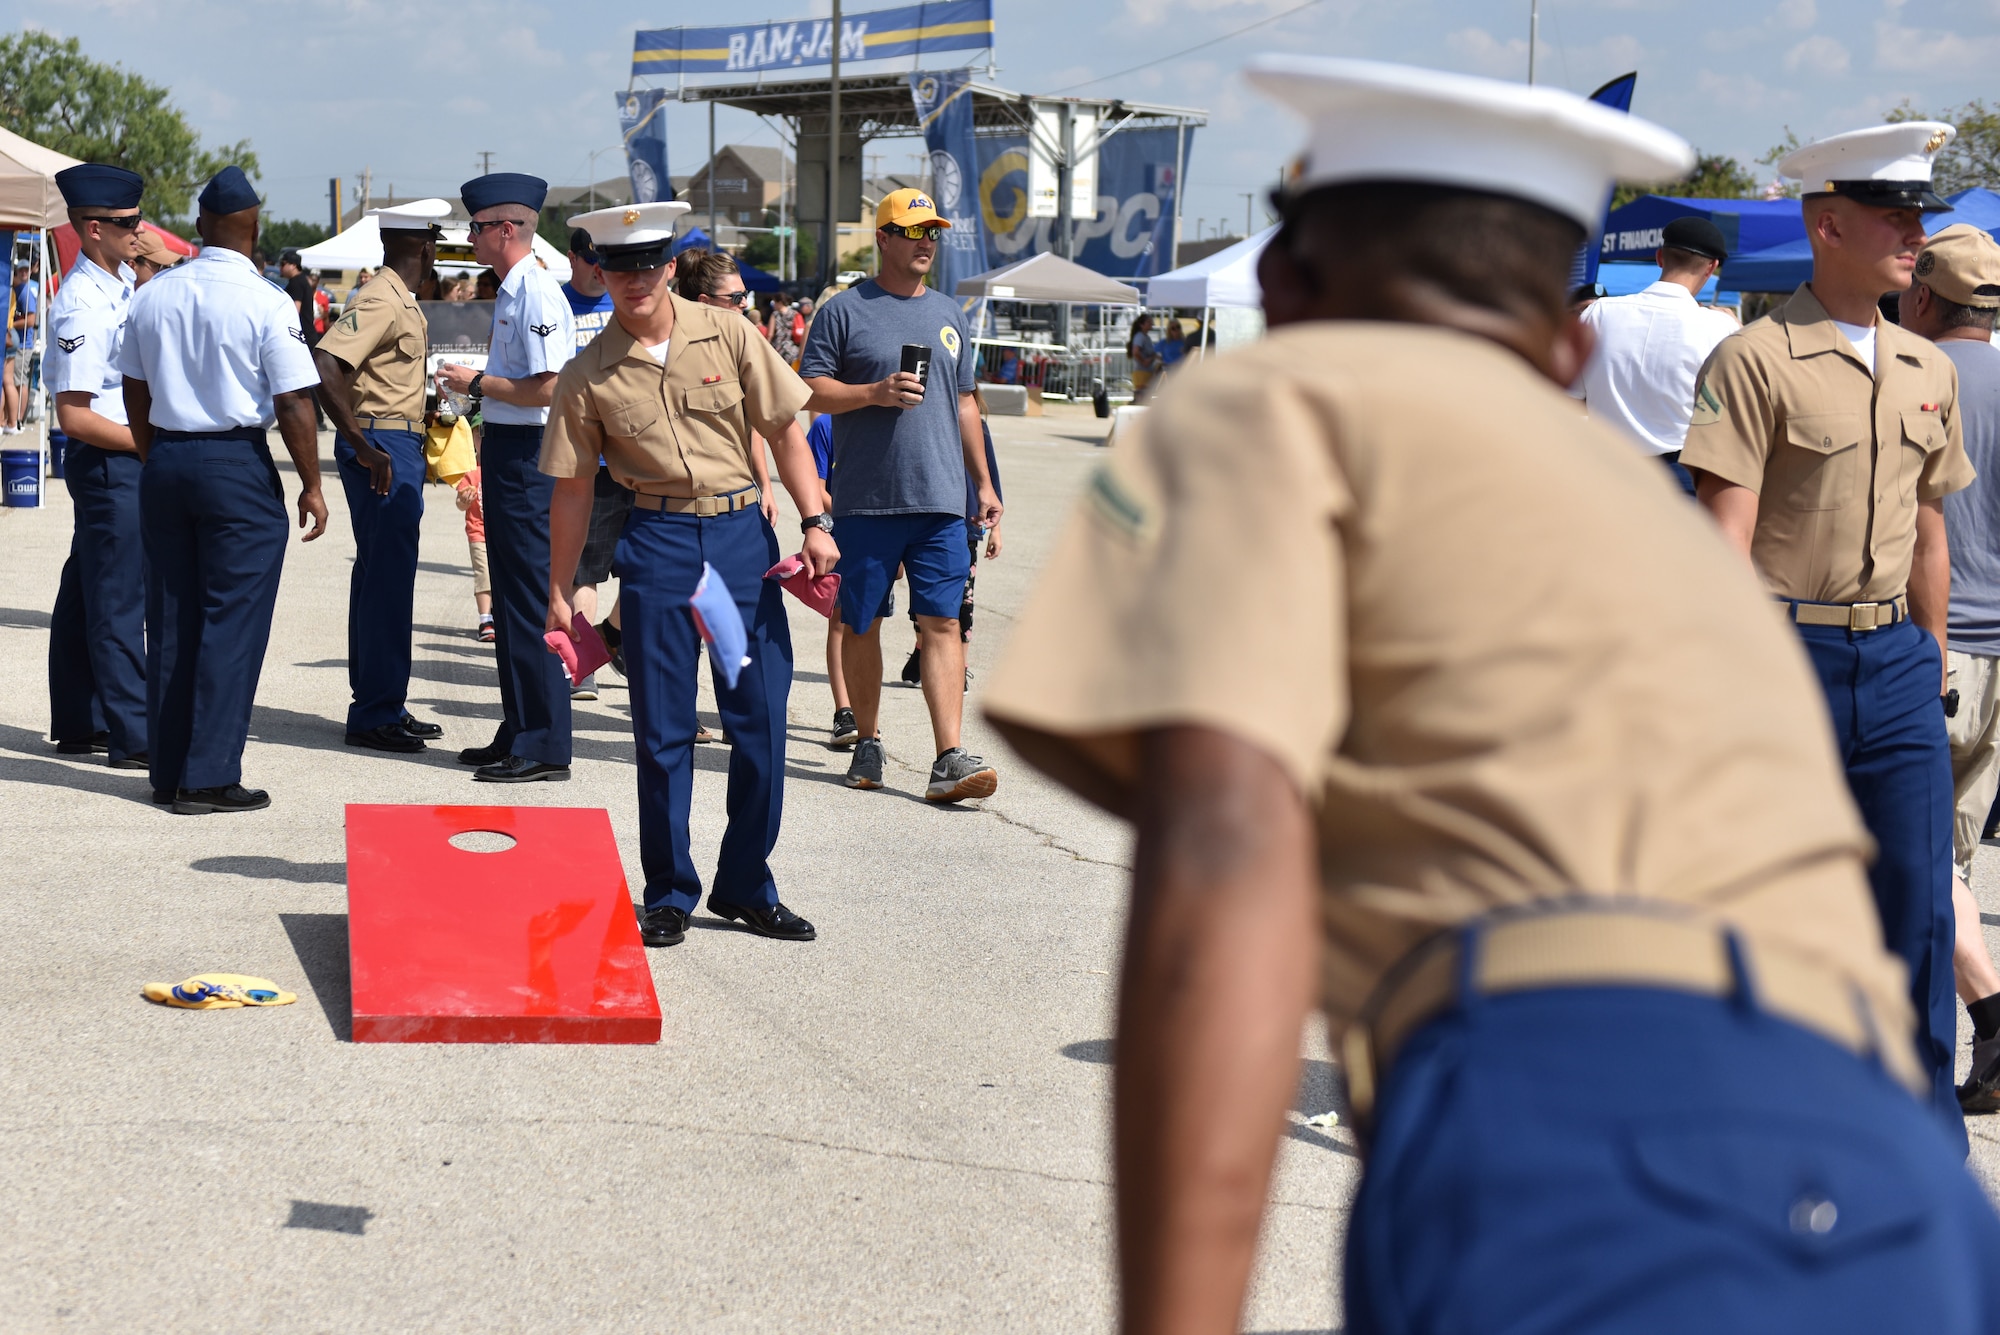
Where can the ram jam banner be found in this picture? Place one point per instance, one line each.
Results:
(760, 48)
(1129, 235)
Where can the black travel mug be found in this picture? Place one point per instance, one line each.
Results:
(917, 361)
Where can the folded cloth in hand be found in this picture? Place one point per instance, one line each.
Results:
(219, 991)
(582, 649)
(721, 624)
(796, 578)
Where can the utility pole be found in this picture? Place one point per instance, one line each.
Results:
(333, 203)
(1249, 198)
(367, 188)
(711, 175)
(830, 262)
(1534, 35)
(485, 162)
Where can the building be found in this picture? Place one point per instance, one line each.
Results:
(749, 180)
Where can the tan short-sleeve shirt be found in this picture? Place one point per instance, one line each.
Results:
(382, 336)
(1838, 458)
(682, 429)
(1503, 658)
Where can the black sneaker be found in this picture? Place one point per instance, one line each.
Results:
(1981, 1091)
(846, 732)
(485, 633)
(913, 668)
(865, 770)
(663, 926)
(957, 777)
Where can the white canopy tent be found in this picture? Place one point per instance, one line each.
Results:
(360, 247)
(30, 202)
(1225, 286)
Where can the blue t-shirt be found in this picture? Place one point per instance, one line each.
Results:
(992, 471)
(26, 302)
(1972, 516)
(819, 437)
(894, 461)
(590, 313)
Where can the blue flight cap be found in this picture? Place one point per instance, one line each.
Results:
(484, 192)
(98, 185)
(228, 192)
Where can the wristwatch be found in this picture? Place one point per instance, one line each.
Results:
(473, 388)
(824, 523)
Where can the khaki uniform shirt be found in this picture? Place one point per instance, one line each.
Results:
(1838, 458)
(682, 429)
(383, 337)
(1497, 650)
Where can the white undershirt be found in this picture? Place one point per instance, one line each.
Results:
(1862, 336)
(659, 350)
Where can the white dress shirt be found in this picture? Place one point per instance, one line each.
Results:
(533, 332)
(1650, 347)
(214, 343)
(86, 325)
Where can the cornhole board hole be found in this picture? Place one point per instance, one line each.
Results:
(535, 943)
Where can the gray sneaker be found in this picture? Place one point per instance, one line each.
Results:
(1981, 1091)
(865, 770)
(957, 776)
(585, 689)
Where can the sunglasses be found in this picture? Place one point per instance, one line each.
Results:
(731, 298)
(478, 227)
(130, 222)
(930, 233)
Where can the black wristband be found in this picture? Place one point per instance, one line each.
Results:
(473, 388)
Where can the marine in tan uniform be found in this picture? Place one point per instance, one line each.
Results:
(672, 395)
(1426, 697)
(371, 364)
(1825, 439)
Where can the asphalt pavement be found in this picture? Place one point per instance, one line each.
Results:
(900, 1126)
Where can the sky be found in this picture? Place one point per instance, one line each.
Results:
(416, 89)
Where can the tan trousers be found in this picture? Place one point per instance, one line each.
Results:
(482, 578)
(1975, 749)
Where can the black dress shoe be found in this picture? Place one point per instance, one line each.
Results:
(100, 742)
(416, 727)
(137, 760)
(163, 797)
(388, 737)
(482, 755)
(229, 797)
(777, 922)
(518, 769)
(663, 926)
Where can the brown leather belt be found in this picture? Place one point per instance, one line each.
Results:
(698, 505)
(1616, 946)
(1850, 616)
(389, 424)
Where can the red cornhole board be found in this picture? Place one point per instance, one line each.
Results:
(535, 944)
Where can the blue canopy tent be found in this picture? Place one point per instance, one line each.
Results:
(1633, 232)
(1623, 279)
(757, 280)
(1782, 268)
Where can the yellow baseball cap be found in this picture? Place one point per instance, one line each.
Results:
(1962, 264)
(908, 208)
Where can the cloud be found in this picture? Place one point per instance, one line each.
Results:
(1482, 53)
(1797, 15)
(1153, 11)
(1818, 54)
(1933, 51)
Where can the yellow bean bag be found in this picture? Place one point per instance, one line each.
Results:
(219, 991)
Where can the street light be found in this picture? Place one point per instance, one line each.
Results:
(595, 153)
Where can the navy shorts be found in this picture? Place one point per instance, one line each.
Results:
(929, 547)
(609, 504)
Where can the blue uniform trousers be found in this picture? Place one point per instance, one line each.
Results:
(381, 593)
(534, 693)
(213, 515)
(97, 633)
(658, 564)
(1882, 690)
(1593, 1160)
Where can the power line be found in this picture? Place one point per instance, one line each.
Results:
(1198, 46)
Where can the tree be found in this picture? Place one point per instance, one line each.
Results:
(1972, 158)
(290, 234)
(54, 95)
(1715, 176)
(763, 249)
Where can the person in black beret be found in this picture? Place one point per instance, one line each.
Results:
(213, 357)
(97, 631)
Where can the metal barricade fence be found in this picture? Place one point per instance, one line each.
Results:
(1058, 372)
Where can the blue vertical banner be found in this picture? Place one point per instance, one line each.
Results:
(642, 120)
(1618, 96)
(1128, 234)
(944, 110)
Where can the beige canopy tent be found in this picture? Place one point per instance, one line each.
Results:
(30, 202)
(1048, 277)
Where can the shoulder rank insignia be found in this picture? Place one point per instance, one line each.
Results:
(70, 344)
(350, 323)
(1707, 408)
(298, 334)
(542, 330)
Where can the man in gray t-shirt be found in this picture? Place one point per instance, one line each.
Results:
(903, 448)
(1952, 302)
